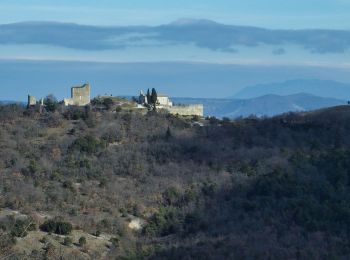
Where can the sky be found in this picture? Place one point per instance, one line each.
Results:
(294, 38)
(282, 14)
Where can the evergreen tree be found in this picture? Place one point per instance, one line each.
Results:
(148, 97)
(51, 103)
(108, 103)
(154, 98)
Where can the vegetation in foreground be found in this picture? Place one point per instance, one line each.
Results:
(109, 183)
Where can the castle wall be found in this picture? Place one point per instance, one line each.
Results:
(31, 101)
(164, 101)
(187, 110)
(80, 96)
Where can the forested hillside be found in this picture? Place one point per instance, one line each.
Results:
(109, 183)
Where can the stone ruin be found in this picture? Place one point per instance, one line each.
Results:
(31, 101)
(80, 96)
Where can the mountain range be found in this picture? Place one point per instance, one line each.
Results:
(321, 88)
(266, 105)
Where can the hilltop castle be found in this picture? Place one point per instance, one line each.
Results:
(80, 96)
(164, 102)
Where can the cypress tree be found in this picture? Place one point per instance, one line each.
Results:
(148, 97)
(154, 98)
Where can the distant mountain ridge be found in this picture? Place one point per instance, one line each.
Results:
(8, 102)
(321, 88)
(266, 105)
(186, 22)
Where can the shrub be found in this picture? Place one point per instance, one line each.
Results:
(213, 121)
(6, 243)
(209, 188)
(194, 223)
(68, 185)
(82, 241)
(68, 241)
(33, 167)
(167, 221)
(57, 227)
(88, 144)
(52, 120)
(44, 240)
(168, 134)
(21, 228)
(75, 113)
(115, 241)
(108, 103)
(172, 196)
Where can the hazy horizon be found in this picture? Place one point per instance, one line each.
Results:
(40, 78)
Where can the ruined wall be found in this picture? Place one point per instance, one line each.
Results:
(187, 110)
(164, 101)
(31, 101)
(80, 96)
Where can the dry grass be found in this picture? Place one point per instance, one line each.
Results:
(39, 241)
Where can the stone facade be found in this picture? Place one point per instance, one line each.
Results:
(187, 110)
(164, 101)
(31, 101)
(80, 96)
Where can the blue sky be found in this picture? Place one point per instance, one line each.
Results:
(284, 14)
(294, 39)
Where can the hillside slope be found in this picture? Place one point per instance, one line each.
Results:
(156, 186)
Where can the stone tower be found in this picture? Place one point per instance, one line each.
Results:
(31, 101)
(80, 96)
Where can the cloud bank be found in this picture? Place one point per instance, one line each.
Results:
(202, 33)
